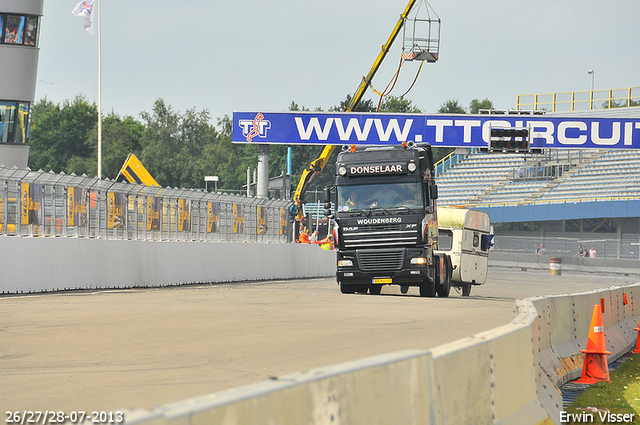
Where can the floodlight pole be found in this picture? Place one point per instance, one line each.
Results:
(99, 89)
(593, 77)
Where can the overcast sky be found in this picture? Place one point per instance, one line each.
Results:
(261, 55)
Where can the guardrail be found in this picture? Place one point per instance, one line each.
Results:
(448, 161)
(35, 203)
(580, 100)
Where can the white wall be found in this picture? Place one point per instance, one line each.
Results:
(51, 264)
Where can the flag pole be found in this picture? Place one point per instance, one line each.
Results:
(99, 90)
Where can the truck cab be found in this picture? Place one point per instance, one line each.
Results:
(385, 222)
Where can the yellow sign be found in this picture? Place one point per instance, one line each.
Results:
(262, 221)
(212, 217)
(238, 218)
(71, 206)
(115, 210)
(24, 207)
(184, 215)
(283, 221)
(135, 173)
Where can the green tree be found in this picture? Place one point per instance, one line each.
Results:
(173, 145)
(475, 105)
(229, 160)
(120, 136)
(365, 105)
(451, 106)
(399, 105)
(61, 136)
(620, 103)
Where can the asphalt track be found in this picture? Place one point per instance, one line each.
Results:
(104, 350)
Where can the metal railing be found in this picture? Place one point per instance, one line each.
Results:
(607, 245)
(449, 161)
(580, 100)
(35, 203)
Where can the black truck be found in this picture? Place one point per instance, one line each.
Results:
(385, 221)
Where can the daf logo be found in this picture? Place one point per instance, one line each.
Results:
(351, 229)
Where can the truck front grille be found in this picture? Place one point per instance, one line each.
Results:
(380, 236)
(374, 260)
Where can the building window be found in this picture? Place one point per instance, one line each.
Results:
(31, 31)
(14, 122)
(19, 29)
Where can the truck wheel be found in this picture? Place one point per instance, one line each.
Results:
(375, 289)
(444, 284)
(428, 288)
(466, 289)
(346, 288)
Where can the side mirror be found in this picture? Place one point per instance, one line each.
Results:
(327, 201)
(327, 209)
(327, 195)
(433, 191)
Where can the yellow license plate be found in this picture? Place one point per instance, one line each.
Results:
(381, 281)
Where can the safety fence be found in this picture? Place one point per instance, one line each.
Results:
(35, 203)
(606, 245)
(580, 100)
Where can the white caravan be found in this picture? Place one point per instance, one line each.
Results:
(465, 235)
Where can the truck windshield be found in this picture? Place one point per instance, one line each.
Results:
(395, 195)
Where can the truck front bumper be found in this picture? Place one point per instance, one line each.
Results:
(384, 267)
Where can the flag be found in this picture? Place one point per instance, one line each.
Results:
(85, 9)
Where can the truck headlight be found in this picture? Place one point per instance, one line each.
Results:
(412, 166)
(419, 261)
(342, 170)
(345, 263)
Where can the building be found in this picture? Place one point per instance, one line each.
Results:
(19, 30)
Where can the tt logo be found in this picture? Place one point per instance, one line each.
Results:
(256, 127)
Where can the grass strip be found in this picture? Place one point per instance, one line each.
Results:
(617, 401)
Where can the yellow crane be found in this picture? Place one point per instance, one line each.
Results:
(318, 164)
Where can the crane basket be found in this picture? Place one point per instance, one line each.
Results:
(421, 34)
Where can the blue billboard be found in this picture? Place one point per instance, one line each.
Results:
(450, 130)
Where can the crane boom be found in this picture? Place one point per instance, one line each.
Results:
(318, 164)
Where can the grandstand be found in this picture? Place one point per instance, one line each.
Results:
(485, 179)
(566, 196)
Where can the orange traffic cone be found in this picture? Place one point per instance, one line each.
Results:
(637, 349)
(595, 367)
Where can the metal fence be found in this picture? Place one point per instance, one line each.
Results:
(35, 203)
(607, 245)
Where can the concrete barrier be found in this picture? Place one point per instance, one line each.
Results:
(509, 375)
(31, 264)
(563, 330)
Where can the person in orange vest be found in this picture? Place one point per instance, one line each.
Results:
(304, 237)
(327, 243)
